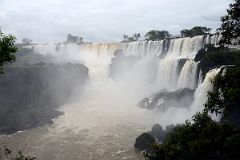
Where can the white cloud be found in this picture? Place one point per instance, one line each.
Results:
(2, 14)
(104, 20)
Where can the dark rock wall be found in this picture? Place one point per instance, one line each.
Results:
(30, 94)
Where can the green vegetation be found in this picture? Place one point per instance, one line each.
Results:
(195, 31)
(74, 39)
(134, 37)
(204, 138)
(230, 28)
(155, 35)
(213, 57)
(201, 139)
(7, 49)
(226, 95)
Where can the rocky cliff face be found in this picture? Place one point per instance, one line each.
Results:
(30, 94)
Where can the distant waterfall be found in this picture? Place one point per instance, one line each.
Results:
(180, 47)
(167, 51)
(176, 68)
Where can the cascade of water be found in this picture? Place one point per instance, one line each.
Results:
(184, 47)
(188, 75)
(200, 96)
(167, 73)
(200, 78)
(169, 76)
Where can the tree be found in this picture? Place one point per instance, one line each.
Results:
(74, 39)
(230, 28)
(226, 95)
(80, 40)
(213, 57)
(155, 35)
(125, 38)
(7, 49)
(195, 31)
(134, 37)
(201, 139)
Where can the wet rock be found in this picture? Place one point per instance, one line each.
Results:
(144, 142)
(181, 63)
(158, 133)
(31, 94)
(165, 99)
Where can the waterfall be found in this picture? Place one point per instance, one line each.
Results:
(200, 96)
(180, 47)
(173, 60)
(167, 73)
(169, 52)
(188, 75)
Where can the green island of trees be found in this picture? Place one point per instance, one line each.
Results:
(158, 35)
(195, 31)
(155, 35)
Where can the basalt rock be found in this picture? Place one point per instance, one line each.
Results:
(144, 142)
(158, 133)
(163, 100)
(31, 94)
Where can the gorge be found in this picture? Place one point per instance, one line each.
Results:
(103, 120)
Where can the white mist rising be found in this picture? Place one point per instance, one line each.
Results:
(161, 58)
(105, 120)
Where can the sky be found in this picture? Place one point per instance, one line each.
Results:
(105, 20)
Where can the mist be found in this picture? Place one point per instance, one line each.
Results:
(121, 75)
(107, 94)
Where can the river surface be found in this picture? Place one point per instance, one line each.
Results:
(98, 127)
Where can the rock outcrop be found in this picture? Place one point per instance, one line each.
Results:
(30, 94)
(165, 99)
(146, 141)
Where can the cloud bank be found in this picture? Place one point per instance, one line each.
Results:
(104, 20)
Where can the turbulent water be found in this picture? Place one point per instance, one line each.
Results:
(105, 121)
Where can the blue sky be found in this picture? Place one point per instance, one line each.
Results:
(105, 20)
